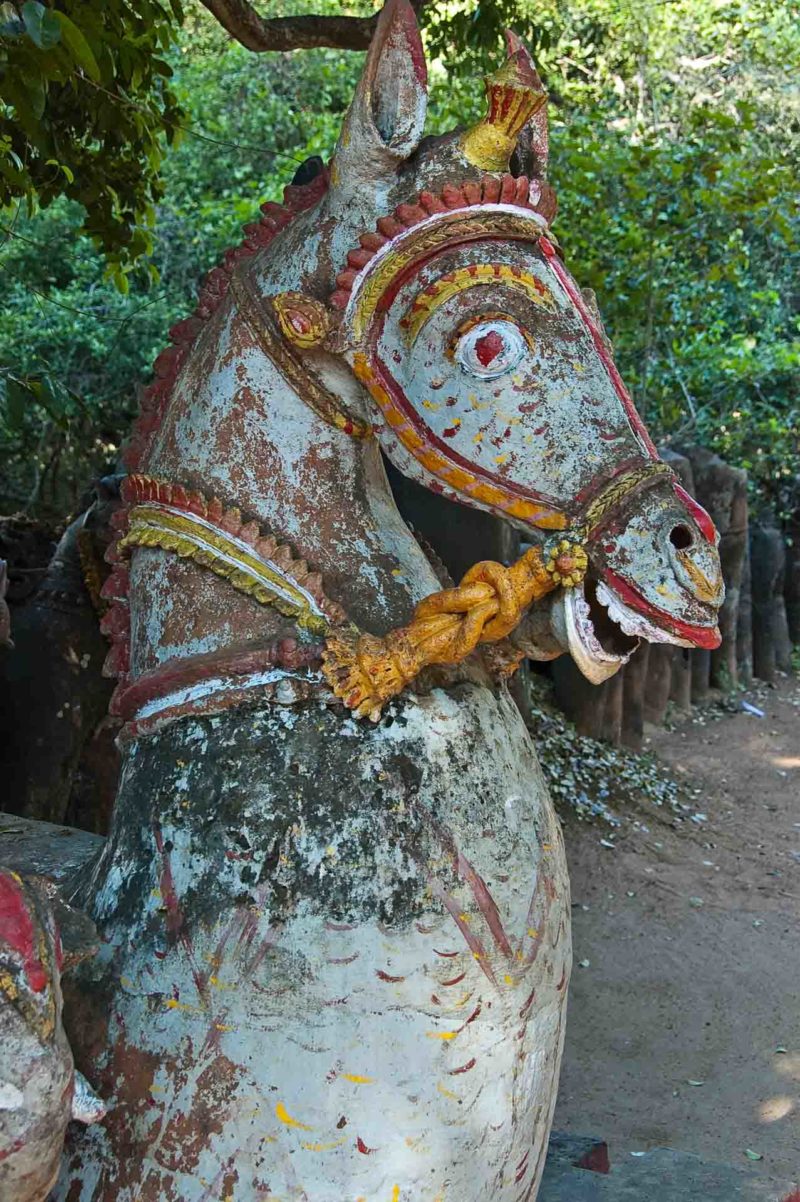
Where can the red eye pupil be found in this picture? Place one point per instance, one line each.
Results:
(488, 347)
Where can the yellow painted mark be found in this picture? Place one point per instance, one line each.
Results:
(547, 847)
(458, 478)
(441, 1034)
(433, 405)
(455, 282)
(396, 1194)
(478, 437)
(447, 1092)
(460, 1004)
(215, 981)
(394, 417)
(127, 982)
(501, 458)
(534, 934)
(357, 1079)
(173, 1004)
(412, 440)
(432, 461)
(224, 1027)
(309, 1147)
(488, 493)
(155, 893)
(508, 979)
(463, 917)
(281, 1113)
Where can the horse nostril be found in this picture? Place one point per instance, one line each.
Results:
(681, 537)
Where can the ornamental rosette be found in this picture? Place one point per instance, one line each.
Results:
(566, 562)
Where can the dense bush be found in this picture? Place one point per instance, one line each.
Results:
(674, 143)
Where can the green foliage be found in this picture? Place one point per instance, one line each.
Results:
(675, 148)
(250, 121)
(86, 112)
(674, 151)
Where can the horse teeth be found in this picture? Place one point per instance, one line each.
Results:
(633, 624)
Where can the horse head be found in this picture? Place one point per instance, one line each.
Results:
(490, 376)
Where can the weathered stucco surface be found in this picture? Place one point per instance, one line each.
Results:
(321, 994)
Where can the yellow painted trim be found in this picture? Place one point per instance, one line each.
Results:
(475, 276)
(462, 225)
(152, 526)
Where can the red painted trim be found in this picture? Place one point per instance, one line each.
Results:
(18, 932)
(180, 673)
(567, 282)
(699, 514)
(707, 637)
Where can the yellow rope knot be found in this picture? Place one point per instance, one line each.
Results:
(365, 670)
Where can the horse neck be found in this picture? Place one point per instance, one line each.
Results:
(237, 429)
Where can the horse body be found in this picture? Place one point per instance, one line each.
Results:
(336, 953)
(325, 994)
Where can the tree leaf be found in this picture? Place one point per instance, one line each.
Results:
(79, 48)
(41, 25)
(68, 172)
(17, 401)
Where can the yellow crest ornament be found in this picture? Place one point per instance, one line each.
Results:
(515, 94)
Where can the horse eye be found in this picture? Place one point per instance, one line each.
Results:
(490, 348)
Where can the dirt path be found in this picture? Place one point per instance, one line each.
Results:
(684, 1027)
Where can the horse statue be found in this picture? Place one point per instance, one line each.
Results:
(333, 904)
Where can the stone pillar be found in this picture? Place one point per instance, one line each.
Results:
(744, 625)
(634, 682)
(658, 685)
(768, 563)
(791, 591)
(722, 491)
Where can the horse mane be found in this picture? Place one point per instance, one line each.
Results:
(297, 198)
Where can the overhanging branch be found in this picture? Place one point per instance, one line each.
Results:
(302, 32)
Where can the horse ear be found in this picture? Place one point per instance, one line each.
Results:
(386, 119)
(531, 155)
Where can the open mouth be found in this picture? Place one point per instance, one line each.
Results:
(600, 631)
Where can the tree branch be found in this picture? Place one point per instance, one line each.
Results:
(291, 33)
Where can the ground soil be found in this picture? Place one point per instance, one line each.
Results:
(684, 1025)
